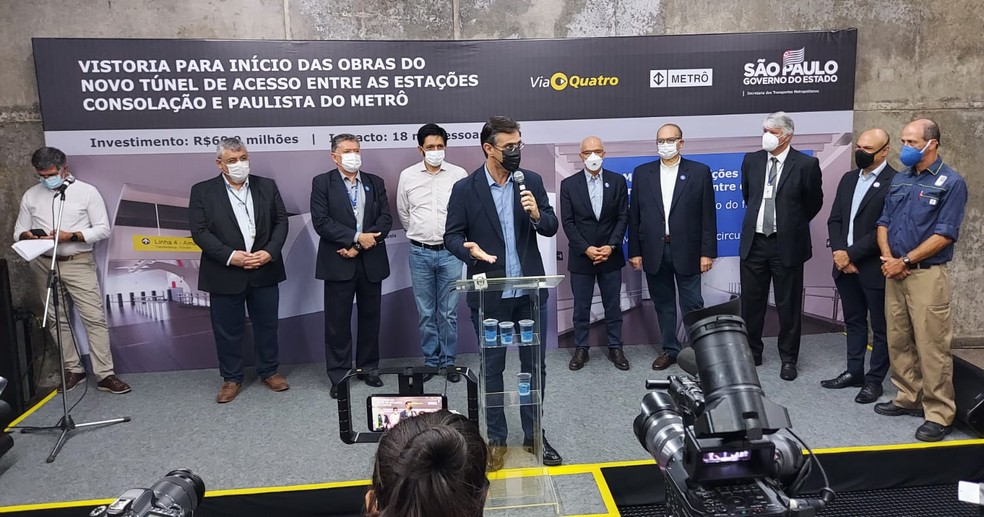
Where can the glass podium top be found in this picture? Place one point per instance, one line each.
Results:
(507, 283)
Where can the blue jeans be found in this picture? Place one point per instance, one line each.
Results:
(433, 276)
(512, 309)
(663, 293)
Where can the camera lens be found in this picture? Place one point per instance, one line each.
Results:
(659, 428)
(179, 489)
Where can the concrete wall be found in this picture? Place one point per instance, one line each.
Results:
(914, 59)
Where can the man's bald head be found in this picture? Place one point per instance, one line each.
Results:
(873, 142)
(592, 143)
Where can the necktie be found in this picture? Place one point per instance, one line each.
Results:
(769, 217)
(595, 185)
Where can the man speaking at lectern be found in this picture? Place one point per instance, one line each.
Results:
(494, 217)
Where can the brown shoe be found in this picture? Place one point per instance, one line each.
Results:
(580, 357)
(664, 361)
(497, 457)
(72, 379)
(228, 392)
(617, 357)
(114, 385)
(277, 382)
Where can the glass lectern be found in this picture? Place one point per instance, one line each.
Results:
(511, 344)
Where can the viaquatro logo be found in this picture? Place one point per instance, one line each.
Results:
(560, 81)
(795, 69)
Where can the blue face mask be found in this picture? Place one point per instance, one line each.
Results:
(52, 182)
(910, 156)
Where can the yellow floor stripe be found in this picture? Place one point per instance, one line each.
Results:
(32, 410)
(594, 469)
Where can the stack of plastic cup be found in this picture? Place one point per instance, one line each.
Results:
(491, 334)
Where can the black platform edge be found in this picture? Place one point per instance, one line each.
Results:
(636, 489)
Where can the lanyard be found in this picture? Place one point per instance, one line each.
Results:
(243, 202)
(353, 193)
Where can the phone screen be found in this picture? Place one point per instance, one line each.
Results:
(385, 411)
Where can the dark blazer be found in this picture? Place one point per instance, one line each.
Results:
(693, 219)
(799, 197)
(864, 253)
(472, 217)
(215, 230)
(334, 220)
(581, 227)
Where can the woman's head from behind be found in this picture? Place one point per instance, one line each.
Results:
(432, 465)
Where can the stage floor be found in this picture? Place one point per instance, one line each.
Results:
(290, 439)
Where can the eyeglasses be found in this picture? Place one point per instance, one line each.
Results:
(589, 152)
(667, 140)
(233, 161)
(41, 175)
(511, 148)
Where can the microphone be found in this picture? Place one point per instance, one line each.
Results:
(520, 178)
(687, 359)
(60, 191)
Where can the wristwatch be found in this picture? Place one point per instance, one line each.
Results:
(75, 237)
(358, 246)
(906, 261)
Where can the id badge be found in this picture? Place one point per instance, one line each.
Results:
(768, 192)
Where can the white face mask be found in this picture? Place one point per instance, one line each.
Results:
(769, 141)
(593, 162)
(238, 172)
(667, 150)
(434, 158)
(351, 162)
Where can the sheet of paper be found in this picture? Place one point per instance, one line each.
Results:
(969, 492)
(30, 249)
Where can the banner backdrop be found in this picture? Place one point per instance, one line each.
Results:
(140, 119)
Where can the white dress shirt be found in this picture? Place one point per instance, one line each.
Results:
(667, 181)
(775, 187)
(84, 212)
(242, 206)
(422, 200)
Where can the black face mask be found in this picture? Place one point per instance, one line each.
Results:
(864, 159)
(510, 160)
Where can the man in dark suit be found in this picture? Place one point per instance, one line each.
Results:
(672, 233)
(594, 207)
(350, 212)
(240, 223)
(782, 190)
(853, 235)
(492, 226)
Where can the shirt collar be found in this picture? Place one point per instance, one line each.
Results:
(230, 186)
(423, 167)
(874, 173)
(934, 168)
(357, 179)
(589, 176)
(781, 156)
(668, 168)
(492, 183)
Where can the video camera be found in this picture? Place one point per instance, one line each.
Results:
(177, 494)
(715, 437)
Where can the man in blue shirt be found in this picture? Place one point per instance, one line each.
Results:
(916, 233)
(492, 225)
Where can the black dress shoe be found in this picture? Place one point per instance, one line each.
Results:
(580, 357)
(788, 371)
(617, 357)
(428, 376)
(932, 432)
(664, 361)
(334, 391)
(551, 457)
(869, 393)
(374, 381)
(454, 377)
(890, 409)
(844, 380)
